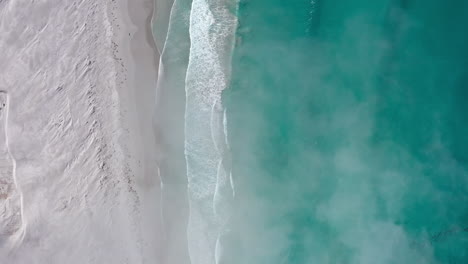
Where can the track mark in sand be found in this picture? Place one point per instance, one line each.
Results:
(10, 199)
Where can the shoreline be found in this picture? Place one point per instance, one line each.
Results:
(137, 93)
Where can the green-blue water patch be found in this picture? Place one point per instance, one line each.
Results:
(347, 123)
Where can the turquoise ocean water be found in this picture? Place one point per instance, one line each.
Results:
(348, 129)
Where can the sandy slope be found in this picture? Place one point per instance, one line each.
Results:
(75, 134)
(141, 59)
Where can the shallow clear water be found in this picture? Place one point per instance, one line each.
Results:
(347, 124)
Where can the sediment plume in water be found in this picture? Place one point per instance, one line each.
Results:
(345, 132)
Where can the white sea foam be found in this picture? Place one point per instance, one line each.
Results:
(212, 34)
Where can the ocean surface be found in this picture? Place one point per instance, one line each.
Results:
(347, 123)
(316, 131)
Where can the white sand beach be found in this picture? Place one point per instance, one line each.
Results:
(79, 184)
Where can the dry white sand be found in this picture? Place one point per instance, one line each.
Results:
(79, 184)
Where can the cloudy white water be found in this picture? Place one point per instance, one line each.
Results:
(194, 70)
(212, 30)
